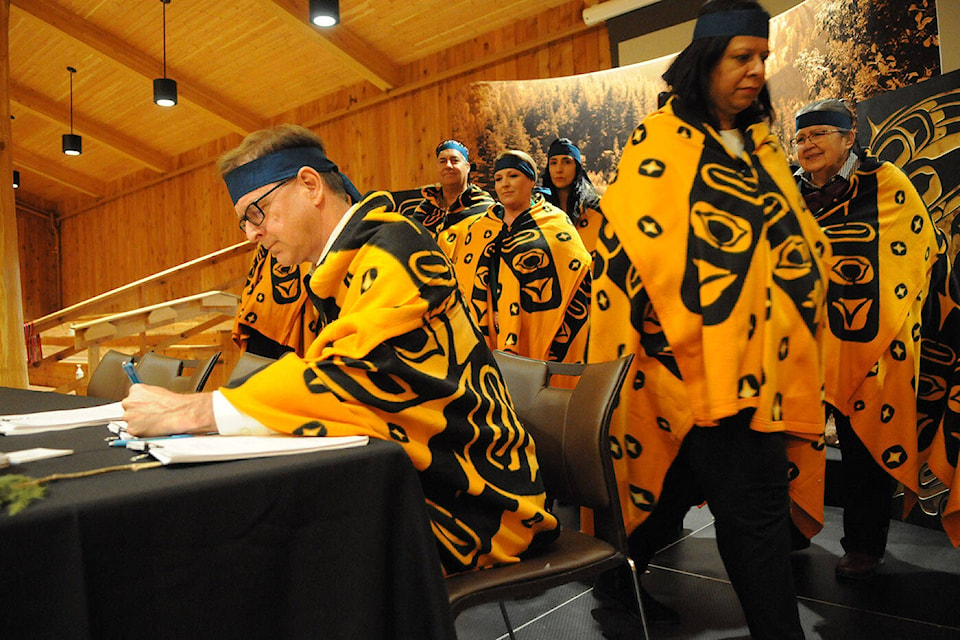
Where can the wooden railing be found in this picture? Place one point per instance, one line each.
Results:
(97, 303)
(203, 309)
(92, 334)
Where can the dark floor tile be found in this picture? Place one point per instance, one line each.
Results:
(914, 596)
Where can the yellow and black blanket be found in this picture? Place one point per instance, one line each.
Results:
(397, 358)
(938, 396)
(884, 244)
(274, 304)
(427, 210)
(708, 269)
(528, 284)
(588, 226)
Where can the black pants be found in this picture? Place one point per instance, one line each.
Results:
(742, 474)
(867, 490)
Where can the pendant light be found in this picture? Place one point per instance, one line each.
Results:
(72, 143)
(16, 174)
(165, 89)
(325, 13)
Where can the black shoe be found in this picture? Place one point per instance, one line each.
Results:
(615, 589)
(856, 565)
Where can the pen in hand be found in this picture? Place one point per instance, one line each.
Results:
(131, 372)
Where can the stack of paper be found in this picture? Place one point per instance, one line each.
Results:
(37, 453)
(42, 421)
(213, 448)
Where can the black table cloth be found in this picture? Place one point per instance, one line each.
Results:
(334, 544)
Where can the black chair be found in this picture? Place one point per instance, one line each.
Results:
(571, 430)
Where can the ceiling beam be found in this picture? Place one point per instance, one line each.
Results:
(365, 59)
(471, 66)
(235, 117)
(58, 173)
(43, 106)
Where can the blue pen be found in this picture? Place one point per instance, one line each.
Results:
(128, 441)
(131, 372)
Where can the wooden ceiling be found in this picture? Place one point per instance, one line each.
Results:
(239, 65)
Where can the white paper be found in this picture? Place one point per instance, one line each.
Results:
(43, 421)
(118, 428)
(213, 448)
(39, 453)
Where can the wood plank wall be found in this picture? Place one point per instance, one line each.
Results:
(383, 144)
(39, 262)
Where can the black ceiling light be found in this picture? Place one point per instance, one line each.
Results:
(16, 174)
(325, 13)
(165, 89)
(72, 143)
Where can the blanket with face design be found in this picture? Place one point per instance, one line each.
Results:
(938, 397)
(274, 303)
(428, 212)
(398, 358)
(708, 269)
(528, 283)
(884, 245)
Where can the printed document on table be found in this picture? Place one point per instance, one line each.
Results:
(27, 423)
(214, 448)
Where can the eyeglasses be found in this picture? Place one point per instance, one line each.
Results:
(813, 137)
(253, 213)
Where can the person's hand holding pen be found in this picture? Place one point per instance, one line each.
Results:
(154, 411)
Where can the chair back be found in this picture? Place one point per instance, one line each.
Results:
(109, 380)
(248, 364)
(571, 427)
(196, 380)
(159, 370)
(168, 372)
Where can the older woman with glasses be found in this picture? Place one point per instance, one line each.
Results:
(884, 245)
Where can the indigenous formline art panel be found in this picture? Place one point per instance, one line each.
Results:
(848, 49)
(918, 129)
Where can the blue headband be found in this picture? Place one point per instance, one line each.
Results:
(750, 22)
(563, 147)
(456, 146)
(510, 161)
(281, 165)
(834, 118)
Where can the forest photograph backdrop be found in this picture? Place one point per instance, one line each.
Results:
(876, 53)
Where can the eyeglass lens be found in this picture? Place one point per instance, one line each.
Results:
(253, 213)
(813, 137)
